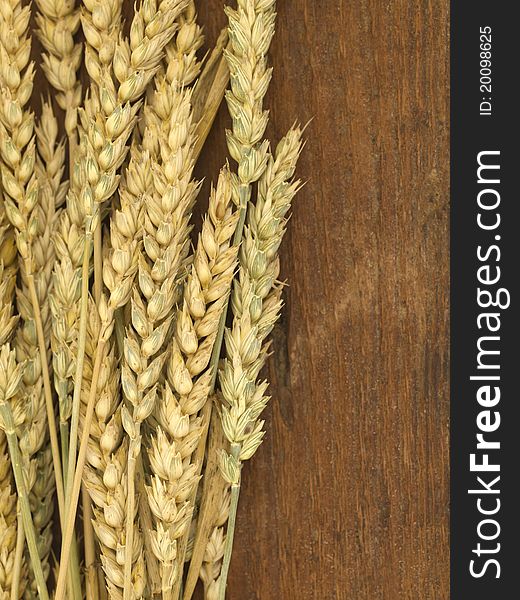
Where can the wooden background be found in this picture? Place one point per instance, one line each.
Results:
(348, 496)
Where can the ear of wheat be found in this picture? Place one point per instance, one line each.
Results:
(57, 23)
(188, 382)
(113, 309)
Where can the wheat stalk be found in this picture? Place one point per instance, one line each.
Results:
(49, 167)
(19, 180)
(12, 568)
(60, 294)
(165, 247)
(188, 382)
(11, 417)
(112, 108)
(256, 306)
(250, 29)
(120, 121)
(57, 22)
(13, 573)
(120, 268)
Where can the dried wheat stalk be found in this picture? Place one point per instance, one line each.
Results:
(8, 501)
(106, 450)
(12, 416)
(188, 382)
(20, 184)
(31, 214)
(251, 28)
(112, 108)
(11, 575)
(256, 304)
(120, 268)
(120, 70)
(33, 438)
(165, 247)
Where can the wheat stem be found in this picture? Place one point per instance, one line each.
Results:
(88, 530)
(23, 498)
(64, 439)
(91, 582)
(98, 264)
(133, 451)
(230, 532)
(51, 418)
(18, 557)
(244, 194)
(78, 378)
(70, 549)
(68, 529)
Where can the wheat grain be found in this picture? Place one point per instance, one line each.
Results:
(181, 61)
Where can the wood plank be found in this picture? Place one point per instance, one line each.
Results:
(348, 497)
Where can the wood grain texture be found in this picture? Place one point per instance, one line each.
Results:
(348, 496)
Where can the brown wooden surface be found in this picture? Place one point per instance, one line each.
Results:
(348, 496)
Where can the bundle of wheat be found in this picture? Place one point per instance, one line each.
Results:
(120, 384)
